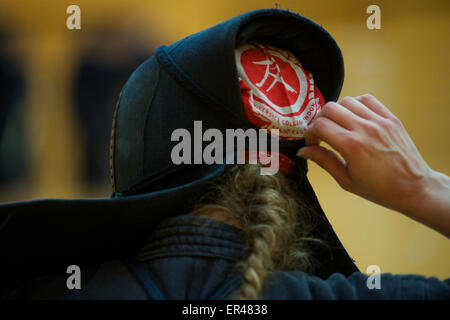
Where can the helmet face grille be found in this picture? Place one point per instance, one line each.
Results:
(128, 142)
(111, 147)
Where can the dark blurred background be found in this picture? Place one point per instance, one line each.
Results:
(59, 87)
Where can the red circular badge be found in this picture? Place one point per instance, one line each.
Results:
(277, 92)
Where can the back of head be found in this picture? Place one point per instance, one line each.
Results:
(275, 216)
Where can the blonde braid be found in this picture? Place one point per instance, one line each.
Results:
(267, 208)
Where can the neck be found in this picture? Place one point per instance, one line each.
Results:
(218, 214)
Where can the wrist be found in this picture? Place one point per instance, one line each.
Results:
(431, 204)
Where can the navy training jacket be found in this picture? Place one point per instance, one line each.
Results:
(192, 257)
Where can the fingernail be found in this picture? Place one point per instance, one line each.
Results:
(302, 154)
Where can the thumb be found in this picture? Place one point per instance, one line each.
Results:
(328, 160)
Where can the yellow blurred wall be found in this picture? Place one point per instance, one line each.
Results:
(405, 65)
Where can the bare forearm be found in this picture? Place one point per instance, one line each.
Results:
(432, 206)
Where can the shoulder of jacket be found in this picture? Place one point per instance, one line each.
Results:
(112, 280)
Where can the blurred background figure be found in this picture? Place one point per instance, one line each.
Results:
(13, 157)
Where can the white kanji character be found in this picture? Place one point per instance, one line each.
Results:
(271, 65)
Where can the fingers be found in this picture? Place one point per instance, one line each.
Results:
(328, 160)
(340, 115)
(337, 120)
(358, 108)
(376, 106)
(350, 120)
(325, 129)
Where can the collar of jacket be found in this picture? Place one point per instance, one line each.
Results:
(189, 235)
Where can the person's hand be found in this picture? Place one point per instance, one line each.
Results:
(380, 161)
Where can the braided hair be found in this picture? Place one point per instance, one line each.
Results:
(274, 216)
